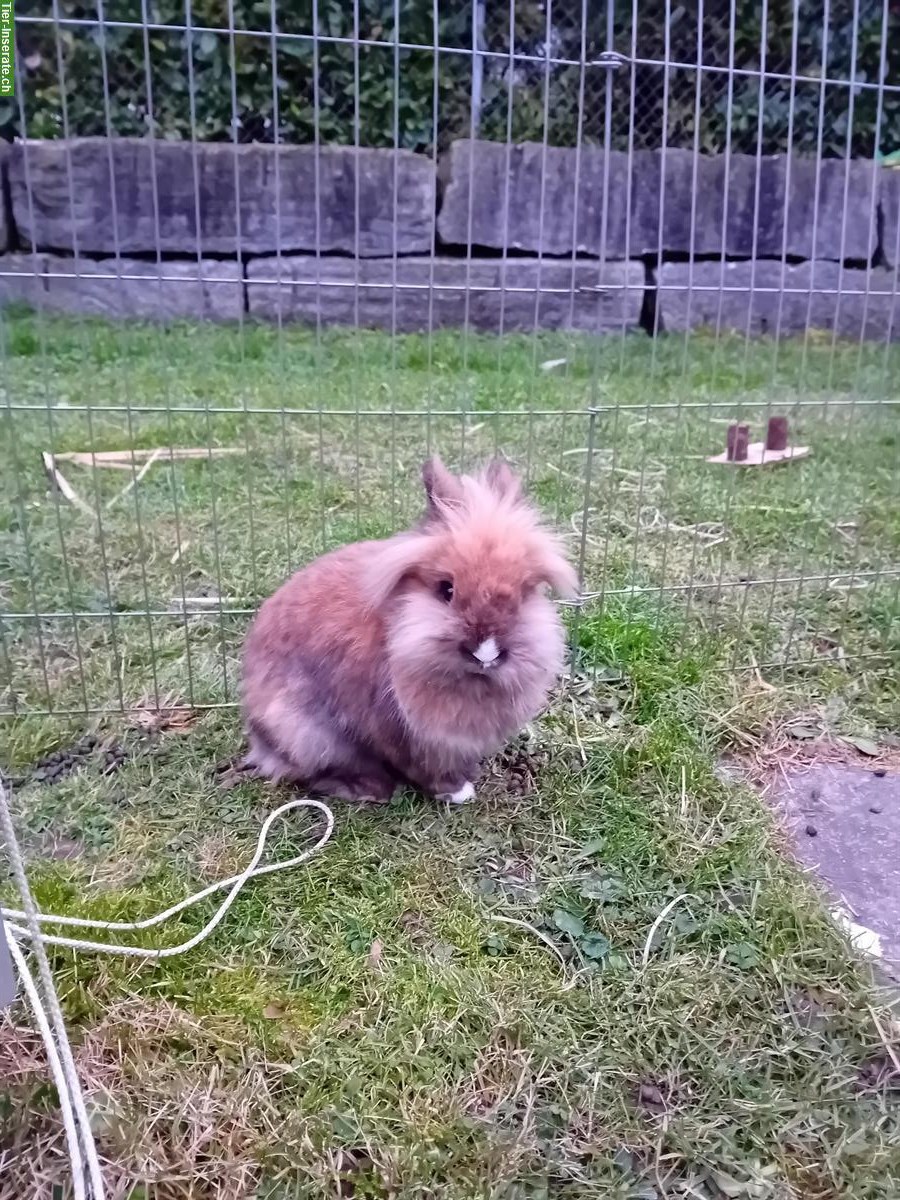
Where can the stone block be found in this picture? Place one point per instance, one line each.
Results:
(122, 288)
(134, 195)
(732, 296)
(441, 292)
(524, 198)
(688, 203)
(842, 820)
(799, 198)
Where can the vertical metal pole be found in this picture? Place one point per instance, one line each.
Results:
(215, 506)
(585, 519)
(170, 433)
(477, 64)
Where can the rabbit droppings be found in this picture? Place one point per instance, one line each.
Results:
(409, 660)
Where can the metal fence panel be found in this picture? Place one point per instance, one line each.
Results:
(131, 584)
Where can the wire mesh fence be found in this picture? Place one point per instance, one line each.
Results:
(161, 478)
(270, 72)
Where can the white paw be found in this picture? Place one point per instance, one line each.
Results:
(465, 793)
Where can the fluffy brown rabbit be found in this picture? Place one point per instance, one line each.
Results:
(413, 658)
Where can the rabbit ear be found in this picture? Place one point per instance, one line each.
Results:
(502, 480)
(398, 558)
(554, 569)
(442, 488)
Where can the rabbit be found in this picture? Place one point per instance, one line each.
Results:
(409, 660)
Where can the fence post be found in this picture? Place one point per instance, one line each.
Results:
(585, 514)
(477, 64)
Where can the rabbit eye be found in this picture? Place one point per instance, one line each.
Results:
(445, 590)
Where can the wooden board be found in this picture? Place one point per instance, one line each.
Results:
(124, 459)
(759, 456)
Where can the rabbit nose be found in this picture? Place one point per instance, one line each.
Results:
(486, 652)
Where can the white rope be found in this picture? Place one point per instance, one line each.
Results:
(56, 1068)
(76, 1121)
(235, 883)
(53, 1027)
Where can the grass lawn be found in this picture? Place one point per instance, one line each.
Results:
(468, 1003)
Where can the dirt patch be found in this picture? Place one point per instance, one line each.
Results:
(804, 741)
(416, 927)
(879, 1074)
(53, 767)
(146, 726)
(657, 1096)
(354, 1168)
(653, 1096)
(63, 849)
(170, 715)
(518, 768)
(232, 772)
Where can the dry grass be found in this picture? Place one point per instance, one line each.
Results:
(181, 1128)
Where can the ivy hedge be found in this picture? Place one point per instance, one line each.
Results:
(176, 67)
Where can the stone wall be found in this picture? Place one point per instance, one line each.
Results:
(525, 198)
(497, 237)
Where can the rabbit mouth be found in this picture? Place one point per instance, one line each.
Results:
(484, 657)
(475, 666)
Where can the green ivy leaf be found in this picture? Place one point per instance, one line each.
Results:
(594, 946)
(207, 44)
(604, 889)
(685, 924)
(594, 846)
(294, 49)
(568, 923)
(743, 955)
